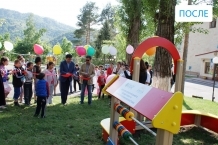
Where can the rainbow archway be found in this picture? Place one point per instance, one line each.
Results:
(152, 42)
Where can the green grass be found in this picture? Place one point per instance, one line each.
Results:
(76, 124)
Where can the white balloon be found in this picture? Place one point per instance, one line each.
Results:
(8, 45)
(215, 60)
(105, 49)
(113, 50)
(129, 49)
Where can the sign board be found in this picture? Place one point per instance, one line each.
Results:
(144, 99)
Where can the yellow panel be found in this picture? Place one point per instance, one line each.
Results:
(169, 117)
(109, 84)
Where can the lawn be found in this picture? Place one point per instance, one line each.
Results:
(76, 124)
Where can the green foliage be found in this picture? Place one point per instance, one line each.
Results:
(86, 20)
(14, 23)
(31, 36)
(66, 46)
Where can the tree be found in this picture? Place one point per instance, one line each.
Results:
(31, 37)
(66, 46)
(165, 28)
(131, 22)
(86, 20)
(107, 30)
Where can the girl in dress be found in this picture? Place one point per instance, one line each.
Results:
(4, 72)
(51, 78)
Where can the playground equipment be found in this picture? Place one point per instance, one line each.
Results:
(152, 107)
(204, 120)
(161, 107)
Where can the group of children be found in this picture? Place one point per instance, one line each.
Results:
(24, 77)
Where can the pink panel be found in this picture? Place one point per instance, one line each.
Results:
(153, 102)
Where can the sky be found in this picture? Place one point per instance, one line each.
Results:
(64, 11)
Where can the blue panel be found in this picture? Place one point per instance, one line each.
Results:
(110, 142)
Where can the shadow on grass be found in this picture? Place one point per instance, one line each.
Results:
(186, 105)
(73, 124)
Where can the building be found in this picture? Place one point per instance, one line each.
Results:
(201, 50)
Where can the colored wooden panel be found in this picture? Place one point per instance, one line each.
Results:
(152, 103)
(144, 99)
(187, 119)
(209, 123)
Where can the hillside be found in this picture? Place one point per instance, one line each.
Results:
(15, 23)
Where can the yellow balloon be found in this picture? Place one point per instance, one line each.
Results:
(57, 49)
(86, 46)
(151, 51)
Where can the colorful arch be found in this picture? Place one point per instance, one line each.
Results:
(152, 42)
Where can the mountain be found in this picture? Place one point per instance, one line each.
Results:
(15, 23)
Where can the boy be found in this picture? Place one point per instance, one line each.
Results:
(17, 81)
(42, 93)
(28, 91)
(36, 71)
(101, 83)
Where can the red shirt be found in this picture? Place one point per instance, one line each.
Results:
(101, 80)
(109, 71)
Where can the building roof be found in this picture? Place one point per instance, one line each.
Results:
(206, 53)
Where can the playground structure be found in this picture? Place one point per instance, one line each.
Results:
(162, 108)
(164, 134)
(203, 120)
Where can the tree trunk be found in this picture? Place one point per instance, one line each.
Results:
(163, 60)
(134, 31)
(185, 53)
(87, 36)
(89, 31)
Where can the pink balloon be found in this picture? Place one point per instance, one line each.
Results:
(129, 49)
(109, 78)
(81, 51)
(38, 49)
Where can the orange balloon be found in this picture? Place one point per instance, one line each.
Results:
(151, 51)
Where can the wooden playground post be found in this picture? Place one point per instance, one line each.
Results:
(179, 73)
(165, 137)
(135, 77)
(114, 117)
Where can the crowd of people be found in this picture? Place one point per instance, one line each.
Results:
(28, 79)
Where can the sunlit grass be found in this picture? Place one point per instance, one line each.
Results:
(76, 124)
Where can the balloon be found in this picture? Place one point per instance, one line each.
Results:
(0, 45)
(109, 78)
(38, 49)
(90, 51)
(113, 50)
(81, 51)
(87, 46)
(215, 60)
(129, 49)
(105, 49)
(57, 49)
(151, 51)
(8, 45)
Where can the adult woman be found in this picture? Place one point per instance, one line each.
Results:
(118, 69)
(142, 73)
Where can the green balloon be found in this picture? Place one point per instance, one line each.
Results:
(0, 45)
(90, 51)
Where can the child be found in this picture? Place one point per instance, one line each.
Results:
(55, 69)
(17, 81)
(36, 71)
(76, 78)
(101, 82)
(50, 77)
(5, 73)
(28, 91)
(42, 93)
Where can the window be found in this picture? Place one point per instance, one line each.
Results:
(207, 68)
(213, 24)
